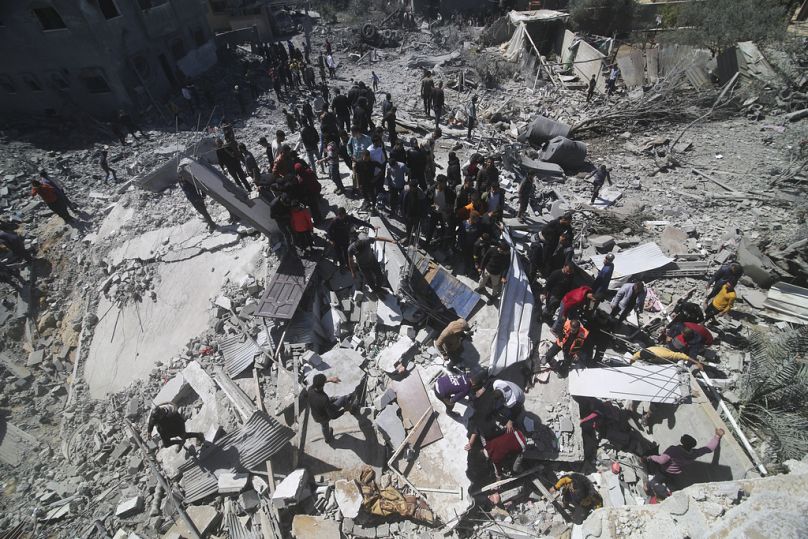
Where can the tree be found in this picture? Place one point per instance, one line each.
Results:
(602, 17)
(720, 24)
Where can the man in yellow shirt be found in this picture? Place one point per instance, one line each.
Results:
(722, 302)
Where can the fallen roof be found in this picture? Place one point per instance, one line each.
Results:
(790, 300)
(286, 287)
(452, 294)
(536, 15)
(255, 211)
(634, 261)
(242, 450)
(512, 342)
(654, 383)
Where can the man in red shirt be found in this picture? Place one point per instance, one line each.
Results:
(53, 198)
(571, 303)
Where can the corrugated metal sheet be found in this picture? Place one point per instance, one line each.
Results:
(14, 443)
(240, 451)
(451, 292)
(650, 383)
(238, 354)
(652, 64)
(634, 261)
(631, 62)
(234, 527)
(282, 296)
(788, 299)
(300, 329)
(512, 342)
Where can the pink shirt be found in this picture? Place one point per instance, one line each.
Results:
(675, 458)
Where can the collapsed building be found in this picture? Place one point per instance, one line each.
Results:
(232, 328)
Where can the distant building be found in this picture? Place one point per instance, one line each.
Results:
(99, 55)
(230, 15)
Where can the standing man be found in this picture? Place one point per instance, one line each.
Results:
(357, 144)
(427, 85)
(630, 297)
(311, 141)
(601, 175)
(230, 161)
(389, 120)
(194, 195)
(339, 233)
(611, 84)
(604, 277)
(331, 159)
(591, 89)
(267, 148)
(525, 192)
(471, 112)
(494, 268)
(555, 288)
(374, 80)
(324, 408)
(342, 108)
(104, 164)
(438, 100)
(250, 163)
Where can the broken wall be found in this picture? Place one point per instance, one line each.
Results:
(587, 60)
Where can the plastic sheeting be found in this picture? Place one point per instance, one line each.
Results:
(512, 342)
(516, 44)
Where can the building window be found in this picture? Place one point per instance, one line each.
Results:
(59, 80)
(108, 9)
(148, 4)
(199, 37)
(7, 84)
(141, 66)
(95, 82)
(218, 6)
(177, 48)
(32, 82)
(49, 18)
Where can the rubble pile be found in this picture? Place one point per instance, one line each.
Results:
(135, 307)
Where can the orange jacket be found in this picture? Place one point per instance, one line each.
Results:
(577, 340)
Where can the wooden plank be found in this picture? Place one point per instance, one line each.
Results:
(413, 401)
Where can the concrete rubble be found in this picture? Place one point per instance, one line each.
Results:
(138, 304)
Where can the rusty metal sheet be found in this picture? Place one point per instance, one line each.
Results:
(413, 401)
(453, 294)
(286, 288)
(253, 210)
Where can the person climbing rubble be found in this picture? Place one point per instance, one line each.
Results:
(427, 85)
(104, 164)
(570, 342)
(665, 469)
(630, 297)
(450, 341)
(728, 273)
(722, 303)
(193, 193)
(601, 175)
(170, 426)
(53, 198)
(573, 305)
(557, 285)
(604, 276)
(362, 258)
(452, 388)
(578, 493)
(323, 408)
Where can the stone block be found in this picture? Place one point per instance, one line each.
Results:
(407, 331)
(132, 408)
(349, 498)
(204, 518)
(249, 500)
(35, 358)
(120, 450)
(232, 483)
(391, 426)
(391, 356)
(424, 336)
(129, 507)
(174, 391)
(601, 243)
(293, 489)
(312, 358)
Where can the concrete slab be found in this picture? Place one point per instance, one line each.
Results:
(669, 422)
(344, 363)
(232, 483)
(128, 342)
(293, 489)
(116, 219)
(311, 527)
(204, 518)
(388, 312)
(389, 422)
(394, 354)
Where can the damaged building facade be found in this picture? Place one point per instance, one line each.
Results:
(99, 56)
